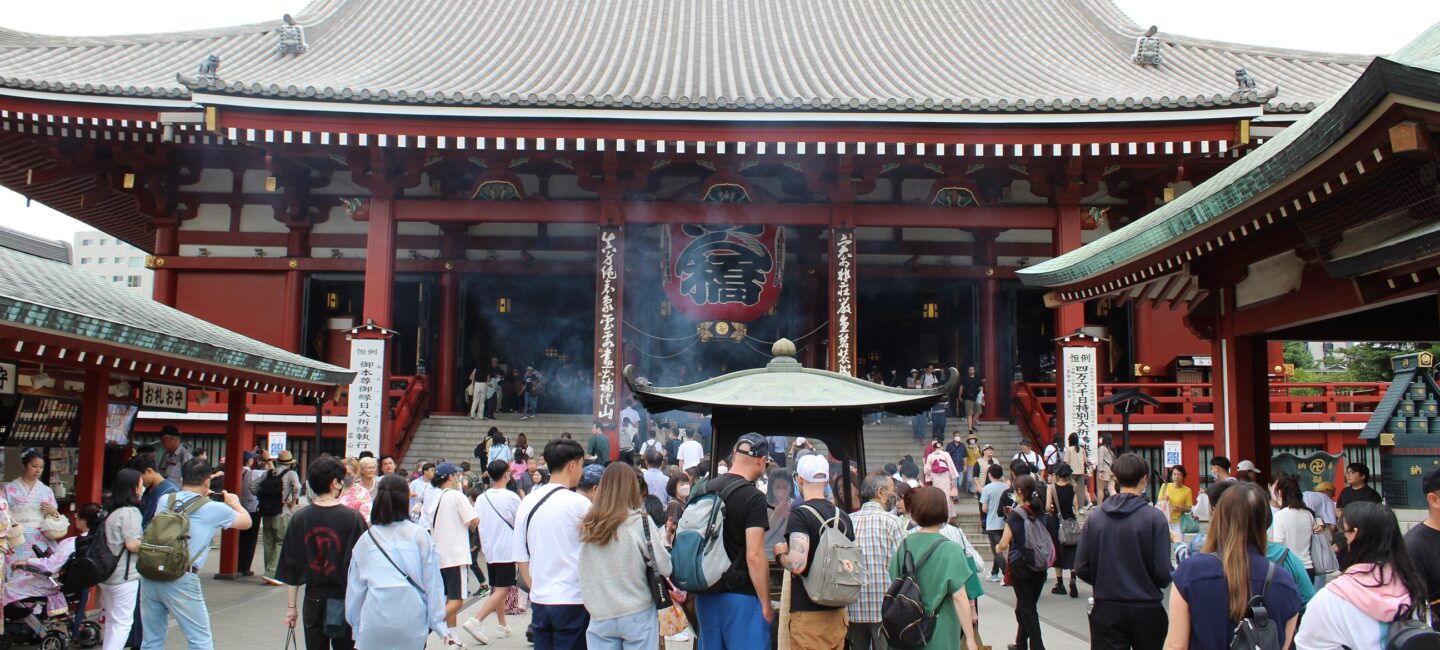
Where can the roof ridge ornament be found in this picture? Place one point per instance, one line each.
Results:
(1244, 80)
(209, 72)
(292, 37)
(1147, 48)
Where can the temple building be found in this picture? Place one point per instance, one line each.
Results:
(673, 184)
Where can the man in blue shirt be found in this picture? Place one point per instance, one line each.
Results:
(992, 504)
(183, 598)
(156, 486)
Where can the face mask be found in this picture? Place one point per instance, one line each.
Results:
(724, 468)
(683, 491)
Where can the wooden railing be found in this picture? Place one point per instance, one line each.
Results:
(1034, 403)
(410, 403)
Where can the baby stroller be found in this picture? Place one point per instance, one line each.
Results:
(46, 619)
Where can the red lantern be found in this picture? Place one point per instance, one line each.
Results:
(714, 272)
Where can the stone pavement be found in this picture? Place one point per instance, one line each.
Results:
(248, 615)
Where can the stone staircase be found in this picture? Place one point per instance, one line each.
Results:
(454, 437)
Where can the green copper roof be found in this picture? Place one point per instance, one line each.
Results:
(45, 295)
(1409, 71)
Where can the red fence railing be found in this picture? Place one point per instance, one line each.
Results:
(1195, 403)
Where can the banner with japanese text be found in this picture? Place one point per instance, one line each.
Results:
(367, 396)
(722, 272)
(1081, 411)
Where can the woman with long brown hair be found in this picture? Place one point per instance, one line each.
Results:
(617, 543)
(1232, 569)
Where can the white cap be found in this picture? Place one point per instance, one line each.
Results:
(813, 469)
(799, 441)
(1246, 466)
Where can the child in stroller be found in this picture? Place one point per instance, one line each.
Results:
(43, 615)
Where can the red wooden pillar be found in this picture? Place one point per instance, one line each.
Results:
(843, 317)
(990, 370)
(1241, 391)
(609, 315)
(297, 246)
(91, 468)
(380, 261)
(235, 440)
(1086, 426)
(165, 245)
(452, 247)
(1070, 317)
(1190, 457)
(446, 373)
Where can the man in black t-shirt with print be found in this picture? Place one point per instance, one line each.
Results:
(737, 613)
(1423, 541)
(811, 626)
(316, 554)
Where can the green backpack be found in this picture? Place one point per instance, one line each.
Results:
(165, 548)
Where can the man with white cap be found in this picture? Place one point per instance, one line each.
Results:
(812, 626)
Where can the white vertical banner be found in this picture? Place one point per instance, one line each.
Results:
(607, 327)
(367, 396)
(277, 441)
(1081, 412)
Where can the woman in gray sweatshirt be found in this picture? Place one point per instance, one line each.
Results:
(617, 540)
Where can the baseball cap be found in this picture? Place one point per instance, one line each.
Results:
(991, 447)
(445, 469)
(1431, 481)
(592, 475)
(1246, 466)
(813, 469)
(755, 445)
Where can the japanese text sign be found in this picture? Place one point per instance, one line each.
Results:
(367, 397)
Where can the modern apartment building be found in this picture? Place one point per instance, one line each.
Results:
(120, 263)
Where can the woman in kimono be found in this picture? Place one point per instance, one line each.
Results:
(29, 502)
(395, 597)
(939, 470)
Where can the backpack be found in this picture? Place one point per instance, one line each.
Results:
(698, 553)
(1406, 633)
(271, 493)
(91, 563)
(1257, 631)
(1039, 551)
(906, 623)
(165, 548)
(836, 576)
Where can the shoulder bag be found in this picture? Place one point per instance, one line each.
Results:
(659, 589)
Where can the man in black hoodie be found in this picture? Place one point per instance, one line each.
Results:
(1125, 553)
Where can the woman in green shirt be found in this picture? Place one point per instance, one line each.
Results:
(943, 576)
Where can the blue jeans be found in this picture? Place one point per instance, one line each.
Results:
(559, 627)
(731, 621)
(637, 631)
(182, 599)
(532, 403)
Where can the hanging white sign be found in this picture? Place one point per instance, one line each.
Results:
(277, 443)
(8, 378)
(1172, 453)
(1080, 395)
(367, 397)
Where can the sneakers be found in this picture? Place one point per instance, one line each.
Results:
(271, 581)
(476, 629)
(994, 577)
(502, 631)
(682, 637)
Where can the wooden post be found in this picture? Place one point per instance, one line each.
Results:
(165, 245)
(990, 370)
(234, 455)
(446, 371)
(1069, 318)
(380, 262)
(90, 471)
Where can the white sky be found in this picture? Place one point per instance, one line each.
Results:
(1371, 27)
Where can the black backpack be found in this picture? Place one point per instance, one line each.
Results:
(1406, 633)
(271, 493)
(91, 563)
(1258, 631)
(906, 623)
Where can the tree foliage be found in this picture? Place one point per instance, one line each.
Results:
(1297, 353)
(1371, 361)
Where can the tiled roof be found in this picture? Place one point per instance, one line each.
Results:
(42, 294)
(955, 56)
(1414, 70)
(50, 249)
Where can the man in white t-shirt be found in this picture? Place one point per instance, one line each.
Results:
(549, 558)
(496, 508)
(418, 488)
(1028, 455)
(690, 451)
(450, 521)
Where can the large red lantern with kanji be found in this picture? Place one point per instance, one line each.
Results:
(715, 272)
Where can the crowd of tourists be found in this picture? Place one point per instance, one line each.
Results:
(384, 558)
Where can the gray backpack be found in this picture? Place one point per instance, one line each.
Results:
(837, 575)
